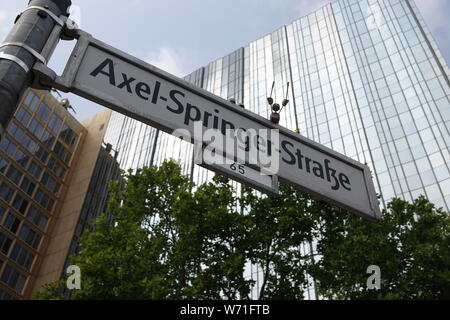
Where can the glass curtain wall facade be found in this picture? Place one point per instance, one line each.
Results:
(367, 80)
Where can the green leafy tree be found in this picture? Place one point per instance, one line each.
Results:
(172, 240)
(165, 242)
(411, 245)
(279, 226)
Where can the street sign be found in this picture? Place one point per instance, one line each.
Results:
(139, 90)
(237, 171)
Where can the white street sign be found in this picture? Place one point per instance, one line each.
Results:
(130, 86)
(237, 171)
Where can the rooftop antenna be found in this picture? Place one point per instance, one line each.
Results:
(270, 99)
(65, 103)
(276, 108)
(286, 100)
(57, 93)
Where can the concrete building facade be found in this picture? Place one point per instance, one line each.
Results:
(48, 164)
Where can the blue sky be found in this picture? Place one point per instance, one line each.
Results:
(180, 36)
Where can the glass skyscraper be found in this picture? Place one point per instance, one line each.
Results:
(367, 80)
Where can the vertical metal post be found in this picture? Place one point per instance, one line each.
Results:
(23, 46)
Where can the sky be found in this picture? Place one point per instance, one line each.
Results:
(180, 36)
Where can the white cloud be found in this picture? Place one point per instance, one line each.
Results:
(176, 62)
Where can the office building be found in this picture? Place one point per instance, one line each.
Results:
(51, 168)
(367, 80)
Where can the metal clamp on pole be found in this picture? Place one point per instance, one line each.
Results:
(12, 58)
(51, 14)
(44, 77)
(70, 29)
(36, 54)
(31, 40)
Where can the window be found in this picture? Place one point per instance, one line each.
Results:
(34, 104)
(13, 279)
(2, 213)
(6, 193)
(22, 256)
(55, 123)
(22, 158)
(48, 139)
(36, 128)
(50, 183)
(35, 170)
(14, 175)
(44, 199)
(15, 131)
(62, 152)
(12, 223)
(5, 244)
(42, 155)
(29, 143)
(27, 186)
(40, 197)
(31, 101)
(44, 112)
(30, 236)
(23, 116)
(18, 155)
(68, 136)
(20, 204)
(8, 147)
(29, 98)
(50, 204)
(3, 164)
(56, 168)
(37, 218)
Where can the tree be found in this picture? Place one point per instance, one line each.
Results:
(278, 227)
(170, 242)
(165, 242)
(411, 245)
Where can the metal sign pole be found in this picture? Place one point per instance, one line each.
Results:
(28, 42)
